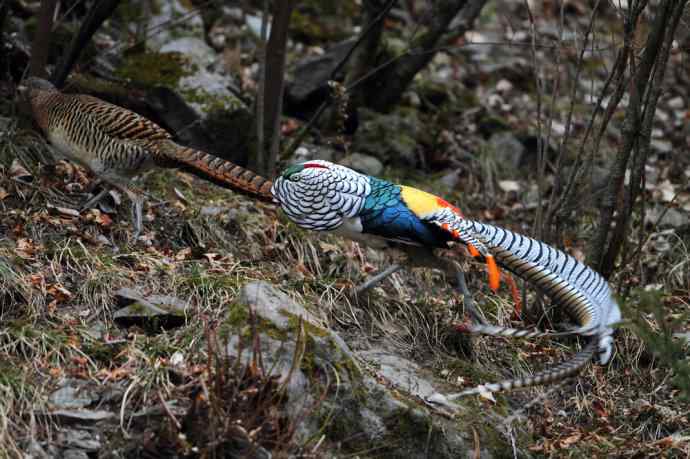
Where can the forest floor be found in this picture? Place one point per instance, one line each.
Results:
(60, 270)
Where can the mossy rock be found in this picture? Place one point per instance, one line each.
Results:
(156, 69)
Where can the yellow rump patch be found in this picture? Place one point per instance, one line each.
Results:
(418, 201)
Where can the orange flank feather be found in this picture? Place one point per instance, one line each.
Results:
(492, 267)
(473, 250)
(443, 203)
(494, 273)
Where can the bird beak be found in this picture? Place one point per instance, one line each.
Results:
(22, 89)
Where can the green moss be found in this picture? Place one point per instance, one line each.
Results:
(405, 423)
(238, 315)
(208, 283)
(11, 375)
(309, 328)
(355, 375)
(319, 21)
(100, 352)
(210, 103)
(156, 69)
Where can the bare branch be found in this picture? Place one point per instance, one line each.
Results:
(601, 255)
(99, 12)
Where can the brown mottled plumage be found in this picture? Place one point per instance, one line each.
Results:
(118, 144)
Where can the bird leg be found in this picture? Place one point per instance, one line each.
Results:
(377, 278)
(137, 211)
(137, 199)
(467, 298)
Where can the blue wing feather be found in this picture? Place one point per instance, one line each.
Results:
(384, 214)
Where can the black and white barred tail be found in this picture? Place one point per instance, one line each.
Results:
(549, 376)
(508, 332)
(567, 282)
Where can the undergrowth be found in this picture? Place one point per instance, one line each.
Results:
(59, 272)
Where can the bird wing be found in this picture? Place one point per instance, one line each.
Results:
(119, 122)
(432, 209)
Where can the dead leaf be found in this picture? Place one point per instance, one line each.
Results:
(98, 217)
(55, 372)
(60, 293)
(183, 254)
(571, 440)
(37, 280)
(114, 375)
(326, 247)
(64, 169)
(598, 408)
(26, 248)
(19, 172)
(3, 193)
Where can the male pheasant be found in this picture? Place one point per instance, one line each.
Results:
(322, 196)
(117, 144)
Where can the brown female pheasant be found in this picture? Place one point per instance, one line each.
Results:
(118, 144)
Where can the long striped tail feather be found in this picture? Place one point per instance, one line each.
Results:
(549, 375)
(567, 282)
(509, 332)
(576, 287)
(217, 170)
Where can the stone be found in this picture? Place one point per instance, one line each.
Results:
(363, 163)
(192, 48)
(676, 103)
(309, 76)
(503, 86)
(508, 149)
(400, 372)
(662, 146)
(362, 410)
(74, 454)
(392, 138)
(77, 438)
(451, 179)
(165, 12)
(73, 393)
(254, 25)
(307, 152)
(672, 218)
(153, 311)
(82, 416)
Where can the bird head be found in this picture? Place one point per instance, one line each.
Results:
(317, 194)
(35, 84)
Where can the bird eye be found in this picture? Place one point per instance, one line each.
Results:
(294, 177)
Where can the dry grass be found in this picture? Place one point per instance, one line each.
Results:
(58, 275)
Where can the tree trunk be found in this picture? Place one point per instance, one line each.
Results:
(41, 44)
(274, 85)
(383, 90)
